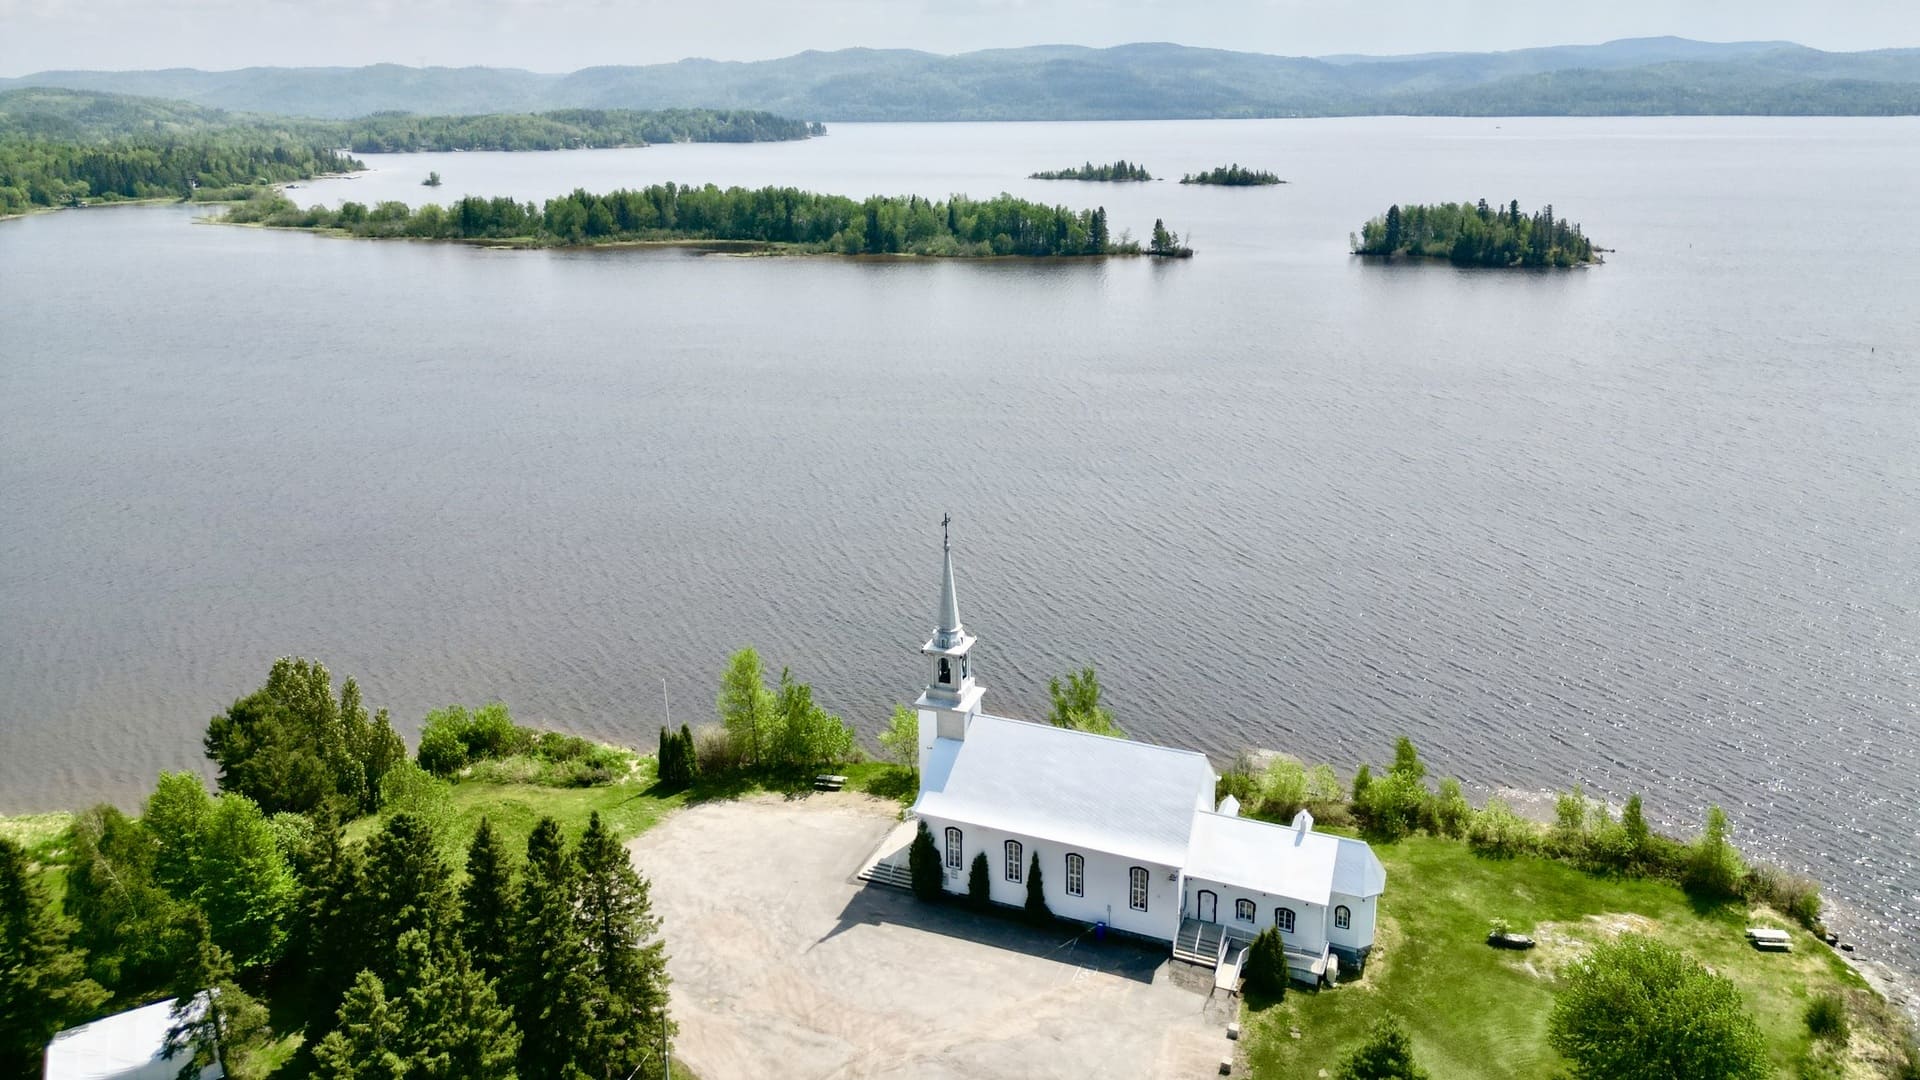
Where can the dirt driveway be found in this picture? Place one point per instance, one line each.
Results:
(785, 967)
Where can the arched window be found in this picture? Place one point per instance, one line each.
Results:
(1283, 918)
(1137, 888)
(1243, 910)
(946, 671)
(1076, 875)
(1342, 918)
(1013, 860)
(953, 848)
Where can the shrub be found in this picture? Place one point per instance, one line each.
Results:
(1241, 780)
(441, 752)
(1496, 830)
(1448, 812)
(1827, 1018)
(923, 863)
(1636, 1009)
(1362, 784)
(1283, 789)
(1325, 792)
(714, 751)
(559, 746)
(979, 890)
(1266, 966)
(1037, 911)
(1393, 805)
(1798, 897)
(1386, 1055)
(1406, 760)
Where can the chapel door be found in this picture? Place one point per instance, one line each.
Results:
(1208, 905)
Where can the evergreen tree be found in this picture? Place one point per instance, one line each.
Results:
(406, 887)
(1406, 760)
(366, 1037)
(43, 979)
(628, 962)
(337, 925)
(486, 903)
(456, 1028)
(1386, 1055)
(689, 759)
(1394, 236)
(979, 886)
(1714, 867)
(923, 865)
(1097, 236)
(547, 981)
(1037, 910)
(1266, 964)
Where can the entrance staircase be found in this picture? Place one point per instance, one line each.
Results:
(895, 875)
(1199, 942)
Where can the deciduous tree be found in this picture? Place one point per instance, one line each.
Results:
(1636, 1009)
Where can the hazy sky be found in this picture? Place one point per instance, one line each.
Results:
(561, 35)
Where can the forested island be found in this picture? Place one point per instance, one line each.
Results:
(567, 129)
(1232, 176)
(1476, 235)
(1119, 170)
(773, 218)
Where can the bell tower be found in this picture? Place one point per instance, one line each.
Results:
(952, 698)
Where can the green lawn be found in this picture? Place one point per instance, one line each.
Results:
(1478, 1012)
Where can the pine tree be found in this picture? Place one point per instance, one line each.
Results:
(979, 886)
(486, 903)
(456, 1027)
(43, 980)
(628, 962)
(365, 1041)
(406, 887)
(689, 760)
(547, 981)
(1037, 910)
(923, 865)
(337, 937)
(1394, 235)
(1633, 823)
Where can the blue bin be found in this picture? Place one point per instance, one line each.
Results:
(1100, 931)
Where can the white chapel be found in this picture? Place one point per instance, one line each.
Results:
(1126, 832)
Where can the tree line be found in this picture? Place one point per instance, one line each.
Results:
(542, 964)
(1119, 170)
(566, 129)
(1476, 235)
(40, 173)
(1232, 176)
(788, 217)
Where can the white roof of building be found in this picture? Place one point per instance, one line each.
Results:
(1077, 789)
(125, 1046)
(1282, 860)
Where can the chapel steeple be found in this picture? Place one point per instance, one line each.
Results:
(952, 697)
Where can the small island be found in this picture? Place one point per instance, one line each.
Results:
(432, 180)
(1477, 235)
(1233, 176)
(1118, 171)
(773, 220)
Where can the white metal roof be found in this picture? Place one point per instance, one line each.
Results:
(1077, 789)
(124, 1046)
(1298, 863)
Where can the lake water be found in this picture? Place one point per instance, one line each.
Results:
(1650, 526)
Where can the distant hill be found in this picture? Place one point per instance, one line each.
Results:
(1643, 76)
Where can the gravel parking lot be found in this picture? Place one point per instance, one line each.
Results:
(785, 966)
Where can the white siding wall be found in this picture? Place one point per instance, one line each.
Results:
(1107, 882)
(1360, 934)
(1311, 922)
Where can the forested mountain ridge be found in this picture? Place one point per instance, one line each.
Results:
(1644, 76)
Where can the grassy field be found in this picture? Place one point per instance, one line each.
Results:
(1478, 1012)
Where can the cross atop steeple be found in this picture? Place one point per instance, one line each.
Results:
(952, 696)
(946, 539)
